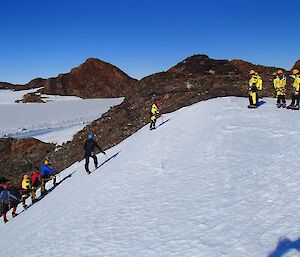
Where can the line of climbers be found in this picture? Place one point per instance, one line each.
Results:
(279, 83)
(9, 198)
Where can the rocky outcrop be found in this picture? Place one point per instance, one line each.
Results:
(31, 98)
(35, 83)
(92, 79)
(297, 65)
(21, 156)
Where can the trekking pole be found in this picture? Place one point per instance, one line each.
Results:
(162, 119)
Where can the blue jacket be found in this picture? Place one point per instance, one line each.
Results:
(6, 196)
(47, 171)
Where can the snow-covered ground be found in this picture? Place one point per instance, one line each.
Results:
(216, 179)
(55, 121)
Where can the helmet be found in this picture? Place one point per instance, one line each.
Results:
(295, 71)
(46, 162)
(279, 72)
(90, 136)
(5, 186)
(252, 72)
(25, 177)
(158, 104)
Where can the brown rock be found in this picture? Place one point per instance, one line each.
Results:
(31, 98)
(92, 79)
(21, 156)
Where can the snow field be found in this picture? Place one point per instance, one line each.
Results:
(216, 179)
(56, 121)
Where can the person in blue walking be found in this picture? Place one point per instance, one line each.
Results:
(47, 175)
(89, 151)
(7, 201)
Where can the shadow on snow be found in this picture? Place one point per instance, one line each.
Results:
(163, 122)
(261, 102)
(108, 159)
(284, 246)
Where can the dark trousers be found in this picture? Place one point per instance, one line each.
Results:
(87, 161)
(281, 98)
(295, 99)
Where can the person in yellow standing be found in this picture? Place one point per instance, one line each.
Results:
(254, 84)
(26, 189)
(295, 96)
(154, 112)
(279, 84)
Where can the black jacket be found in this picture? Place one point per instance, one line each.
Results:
(89, 147)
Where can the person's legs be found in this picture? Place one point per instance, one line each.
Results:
(95, 161)
(4, 218)
(14, 211)
(54, 181)
(87, 162)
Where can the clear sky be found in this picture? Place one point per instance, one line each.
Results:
(42, 38)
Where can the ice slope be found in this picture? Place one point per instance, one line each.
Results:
(53, 122)
(216, 179)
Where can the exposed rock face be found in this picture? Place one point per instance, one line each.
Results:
(35, 83)
(21, 156)
(92, 79)
(297, 65)
(31, 98)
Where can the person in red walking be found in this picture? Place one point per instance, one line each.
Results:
(35, 184)
(5, 200)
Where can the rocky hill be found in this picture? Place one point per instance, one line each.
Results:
(92, 79)
(35, 83)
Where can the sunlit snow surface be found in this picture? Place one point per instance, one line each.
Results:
(55, 121)
(215, 180)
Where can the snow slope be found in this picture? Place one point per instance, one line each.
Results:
(216, 179)
(55, 121)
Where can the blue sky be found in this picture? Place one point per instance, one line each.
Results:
(42, 38)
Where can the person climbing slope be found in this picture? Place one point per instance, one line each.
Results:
(89, 148)
(35, 184)
(295, 96)
(26, 190)
(279, 85)
(47, 175)
(6, 198)
(154, 111)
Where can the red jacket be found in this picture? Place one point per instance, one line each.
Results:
(35, 179)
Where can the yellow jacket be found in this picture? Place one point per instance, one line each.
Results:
(26, 184)
(154, 109)
(296, 84)
(255, 81)
(279, 85)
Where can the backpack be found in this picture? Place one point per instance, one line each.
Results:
(5, 196)
(35, 179)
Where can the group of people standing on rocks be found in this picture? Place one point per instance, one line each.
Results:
(10, 198)
(279, 83)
